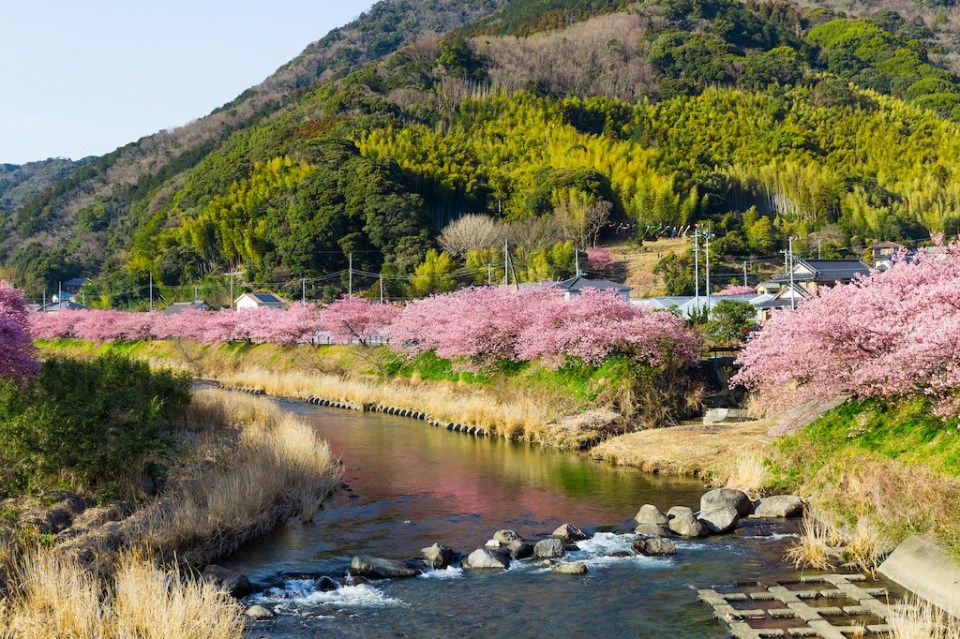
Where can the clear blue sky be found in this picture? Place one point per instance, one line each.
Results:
(83, 77)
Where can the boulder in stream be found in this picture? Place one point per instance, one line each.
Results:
(551, 548)
(573, 568)
(727, 497)
(486, 559)
(326, 584)
(519, 549)
(719, 520)
(378, 568)
(569, 533)
(684, 523)
(259, 613)
(654, 546)
(438, 556)
(227, 580)
(779, 506)
(650, 514)
(506, 537)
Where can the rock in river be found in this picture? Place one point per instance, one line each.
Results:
(719, 520)
(548, 549)
(654, 546)
(506, 537)
(569, 532)
(438, 556)
(575, 568)
(378, 568)
(652, 530)
(260, 613)
(233, 582)
(724, 497)
(683, 523)
(650, 514)
(486, 559)
(779, 506)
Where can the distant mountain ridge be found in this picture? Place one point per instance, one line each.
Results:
(752, 117)
(20, 183)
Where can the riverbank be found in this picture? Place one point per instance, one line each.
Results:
(570, 407)
(242, 467)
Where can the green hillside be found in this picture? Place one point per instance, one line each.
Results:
(761, 119)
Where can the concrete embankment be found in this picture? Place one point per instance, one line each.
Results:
(923, 567)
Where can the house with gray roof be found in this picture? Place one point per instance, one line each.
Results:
(576, 285)
(810, 275)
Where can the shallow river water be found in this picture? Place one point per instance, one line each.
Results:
(411, 485)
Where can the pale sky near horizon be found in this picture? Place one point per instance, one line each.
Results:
(83, 77)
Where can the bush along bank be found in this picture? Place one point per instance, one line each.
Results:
(221, 471)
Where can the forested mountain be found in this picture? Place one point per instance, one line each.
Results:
(21, 183)
(555, 118)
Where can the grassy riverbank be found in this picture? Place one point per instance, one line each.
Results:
(76, 562)
(573, 406)
(893, 467)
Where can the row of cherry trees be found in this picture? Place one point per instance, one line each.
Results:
(895, 334)
(481, 325)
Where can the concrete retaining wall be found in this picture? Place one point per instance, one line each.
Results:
(926, 569)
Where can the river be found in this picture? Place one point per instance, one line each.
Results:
(410, 485)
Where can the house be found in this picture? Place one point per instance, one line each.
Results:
(259, 300)
(883, 253)
(810, 275)
(786, 297)
(576, 285)
(178, 307)
(767, 288)
(64, 296)
(74, 285)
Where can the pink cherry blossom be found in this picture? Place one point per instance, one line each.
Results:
(16, 347)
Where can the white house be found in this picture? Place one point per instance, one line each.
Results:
(259, 300)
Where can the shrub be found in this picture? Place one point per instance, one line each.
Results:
(103, 423)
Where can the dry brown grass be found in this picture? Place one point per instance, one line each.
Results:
(918, 619)
(279, 468)
(748, 471)
(816, 547)
(519, 416)
(640, 262)
(688, 449)
(867, 546)
(57, 597)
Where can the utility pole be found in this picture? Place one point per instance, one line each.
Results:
(231, 290)
(506, 263)
(151, 291)
(196, 292)
(745, 273)
(489, 274)
(706, 236)
(381, 288)
(576, 253)
(793, 292)
(350, 276)
(819, 243)
(696, 266)
(303, 289)
(59, 292)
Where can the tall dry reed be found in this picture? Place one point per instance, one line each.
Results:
(279, 468)
(816, 546)
(56, 597)
(918, 619)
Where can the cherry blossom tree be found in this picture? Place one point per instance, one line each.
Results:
(895, 334)
(16, 346)
(353, 318)
(735, 289)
